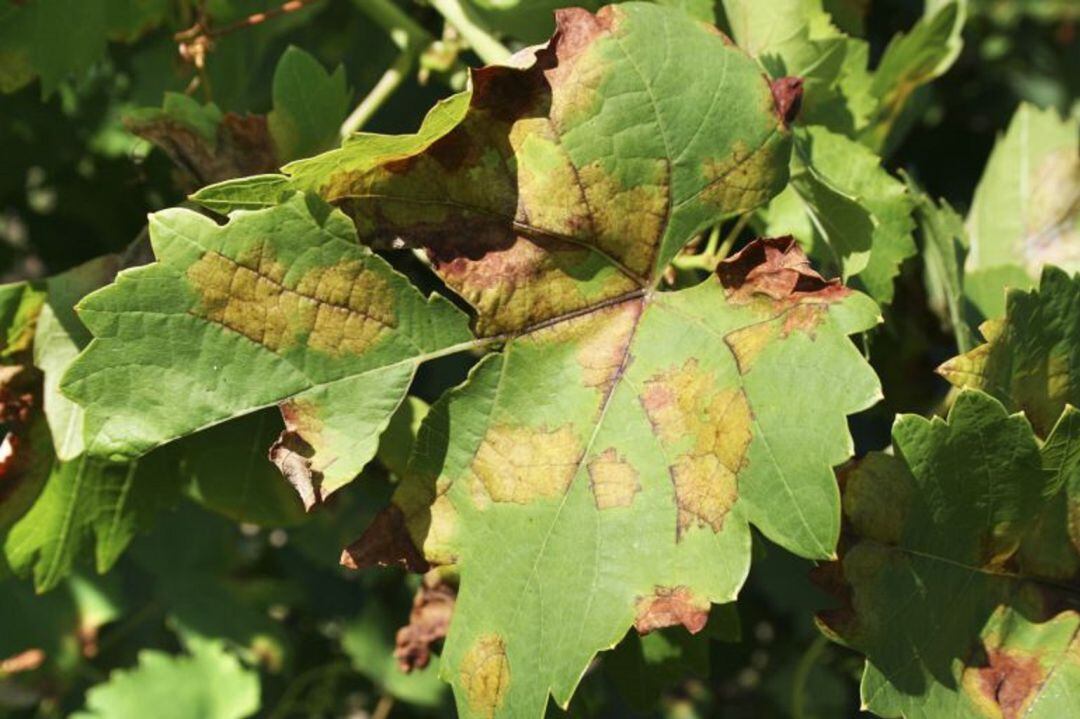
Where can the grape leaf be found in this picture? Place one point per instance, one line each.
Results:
(309, 105)
(209, 682)
(857, 216)
(1026, 209)
(797, 37)
(911, 61)
(944, 248)
(933, 589)
(204, 143)
(276, 306)
(1031, 359)
(619, 457)
(571, 178)
(53, 39)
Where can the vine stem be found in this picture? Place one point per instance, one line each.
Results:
(384, 88)
(802, 675)
(383, 708)
(490, 50)
(715, 250)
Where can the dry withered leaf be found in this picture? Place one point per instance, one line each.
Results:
(429, 620)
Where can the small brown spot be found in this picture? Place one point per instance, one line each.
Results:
(385, 543)
(429, 620)
(671, 606)
(787, 94)
(484, 674)
(776, 267)
(1009, 681)
(613, 480)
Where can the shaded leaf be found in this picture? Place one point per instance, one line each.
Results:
(951, 623)
(204, 143)
(1031, 359)
(944, 248)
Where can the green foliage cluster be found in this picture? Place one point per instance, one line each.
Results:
(488, 357)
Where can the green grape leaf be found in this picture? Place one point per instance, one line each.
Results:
(204, 143)
(54, 39)
(933, 589)
(797, 38)
(1031, 359)
(278, 306)
(209, 683)
(569, 179)
(309, 105)
(944, 248)
(1026, 209)
(619, 458)
(911, 61)
(226, 469)
(58, 338)
(88, 500)
(857, 215)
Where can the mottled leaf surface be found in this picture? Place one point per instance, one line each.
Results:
(1026, 210)
(617, 460)
(952, 620)
(569, 179)
(1031, 358)
(278, 306)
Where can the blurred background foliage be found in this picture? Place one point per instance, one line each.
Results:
(262, 620)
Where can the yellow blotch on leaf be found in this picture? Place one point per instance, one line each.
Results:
(338, 310)
(521, 464)
(613, 480)
(484, 674)
(748, 342)
(628, 221)
(707, 430)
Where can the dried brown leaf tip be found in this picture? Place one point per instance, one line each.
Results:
(669, 607)
(787, 93)
(777, 268)
(385, 543)
(292, 456)
(429, 620)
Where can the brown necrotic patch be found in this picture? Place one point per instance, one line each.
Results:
(484, 675)
(522, 464)
(705, 431)
(613, 480)
(776, 268)
(669, 607)
(1007, 684)
(338, 310)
